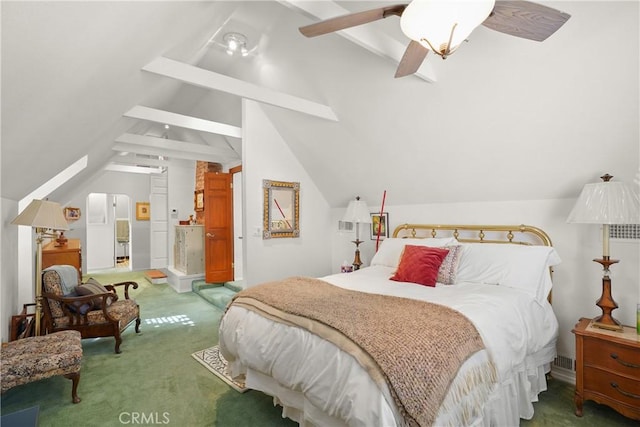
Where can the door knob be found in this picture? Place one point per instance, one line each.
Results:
(211, 235)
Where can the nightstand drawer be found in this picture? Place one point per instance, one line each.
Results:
(616, 387)
(612, 356)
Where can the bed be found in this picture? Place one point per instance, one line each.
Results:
(449, 325)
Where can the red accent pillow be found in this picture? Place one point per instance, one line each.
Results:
(420, 264)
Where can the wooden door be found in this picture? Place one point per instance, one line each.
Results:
(218, 227)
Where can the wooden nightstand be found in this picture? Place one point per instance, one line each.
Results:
(608, 368)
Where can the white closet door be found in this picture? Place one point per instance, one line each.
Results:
(159, 221)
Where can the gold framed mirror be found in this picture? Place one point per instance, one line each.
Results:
(281, 209)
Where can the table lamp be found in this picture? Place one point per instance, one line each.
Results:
(606, 203)
(357, 212)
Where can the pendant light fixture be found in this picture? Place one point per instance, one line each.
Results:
(442, 25)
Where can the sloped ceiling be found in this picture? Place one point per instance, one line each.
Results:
(507, 118)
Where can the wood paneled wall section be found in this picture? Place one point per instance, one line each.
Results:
(201, 169)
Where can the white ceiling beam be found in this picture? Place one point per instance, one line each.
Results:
(132, 169)
(131, 159)
(187, 122)
(210, 80)
(364, 36)
(138, 149)
(54, 183)
(171, 145)
(154, 146)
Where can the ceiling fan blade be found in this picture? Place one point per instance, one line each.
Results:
(351, 20)
(525, 19)
(412, 59)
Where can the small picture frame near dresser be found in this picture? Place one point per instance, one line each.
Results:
(608, 368)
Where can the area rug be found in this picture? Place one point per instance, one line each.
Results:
(211, 359)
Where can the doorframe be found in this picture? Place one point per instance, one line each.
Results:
(105, 232)
(238, 255)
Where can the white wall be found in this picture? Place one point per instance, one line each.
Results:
(267, 156)
(577, 280)
(9, 304)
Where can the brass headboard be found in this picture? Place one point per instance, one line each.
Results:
(515, 234)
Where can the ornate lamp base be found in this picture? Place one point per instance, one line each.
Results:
(357, 262)
(606, 302)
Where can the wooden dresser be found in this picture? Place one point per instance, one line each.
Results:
(69, 254)
(608, 368)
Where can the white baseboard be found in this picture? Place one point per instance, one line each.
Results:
(564, 375)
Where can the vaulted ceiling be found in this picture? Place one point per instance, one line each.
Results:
(504, 118)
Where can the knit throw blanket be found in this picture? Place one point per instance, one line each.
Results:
(414, 346)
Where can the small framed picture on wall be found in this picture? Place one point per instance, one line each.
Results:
(198, 200)
(143, 211)
(379, 224)
(71, 214)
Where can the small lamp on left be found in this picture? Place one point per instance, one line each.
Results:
(357, 213)
(45, 217)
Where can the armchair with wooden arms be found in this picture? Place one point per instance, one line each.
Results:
(92, 309)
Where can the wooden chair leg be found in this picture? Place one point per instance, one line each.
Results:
(75, 379)
(118, 342)
(138, 325)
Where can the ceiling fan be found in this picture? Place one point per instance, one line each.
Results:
(440, 26)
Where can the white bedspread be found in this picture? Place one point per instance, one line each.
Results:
(325, 385)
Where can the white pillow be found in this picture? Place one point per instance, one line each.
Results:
(391, 249)
(517, 266)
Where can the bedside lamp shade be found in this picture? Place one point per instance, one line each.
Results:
(357, 212)
(606, 203)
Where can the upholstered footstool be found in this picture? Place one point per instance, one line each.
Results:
(35, 358)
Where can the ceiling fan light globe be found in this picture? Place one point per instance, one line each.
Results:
(431, 22)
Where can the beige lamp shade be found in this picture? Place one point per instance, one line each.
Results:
(357, 211)
(42, 214)
(606, 202)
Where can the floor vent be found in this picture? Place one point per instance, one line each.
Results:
(564, 362)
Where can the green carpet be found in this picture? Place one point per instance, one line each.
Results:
(156, 381)
(154, 378)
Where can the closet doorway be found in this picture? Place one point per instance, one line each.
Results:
(108, 232)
